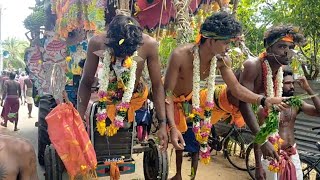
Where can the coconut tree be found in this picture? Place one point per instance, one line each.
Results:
(15, 48)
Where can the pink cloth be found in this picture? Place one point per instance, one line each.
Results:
(288, 170)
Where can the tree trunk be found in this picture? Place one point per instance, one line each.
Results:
(124, 4)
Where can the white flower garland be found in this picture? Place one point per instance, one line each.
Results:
(202, 130)
(270, 85)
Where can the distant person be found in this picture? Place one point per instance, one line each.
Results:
(11, 95)
(27, 90)
(21, 82)
(3, 78)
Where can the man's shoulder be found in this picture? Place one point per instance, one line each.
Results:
(98, 40)
(251, 62)
(148, 40)
(184, 50)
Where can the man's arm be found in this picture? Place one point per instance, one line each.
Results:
(4, 92)
(308, 108)
(247, 79)
(158, 95)
(87, 79)
(154, 69)
(170, 83)
(237, 90)
(28, 170)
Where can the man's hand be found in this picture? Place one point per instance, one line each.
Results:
(176, 136)
(278, 101)
(269, 152)
(163, 137)
(260, 173)
(303, 83)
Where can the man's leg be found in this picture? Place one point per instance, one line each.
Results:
(194, 164)
(178, 175)
(30, 109)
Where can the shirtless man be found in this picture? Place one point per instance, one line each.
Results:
(286, 128)
(17, 158)
(217, 32)
(279, 42)
(11, 95)
(127, 28)
(27, 89)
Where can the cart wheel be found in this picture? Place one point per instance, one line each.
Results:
(53, 164)
(159, 159)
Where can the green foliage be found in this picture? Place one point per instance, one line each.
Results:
(167, 45)
(16, 48)
(270, 126)
(36, 19)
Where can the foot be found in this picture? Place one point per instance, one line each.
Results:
(176, 177)
(3, 124)
(36, 124)
(29, 116)
(16, 129)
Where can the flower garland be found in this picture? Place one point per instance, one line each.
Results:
(272, 89)
(202, 127)
(123, 106)
(269, 130)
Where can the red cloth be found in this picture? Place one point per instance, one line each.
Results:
(70, 139)
(150, 13)
(288, 170)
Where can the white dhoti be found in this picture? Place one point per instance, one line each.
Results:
(295, 159)
(29, 98)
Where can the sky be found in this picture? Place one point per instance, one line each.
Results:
(13, 14)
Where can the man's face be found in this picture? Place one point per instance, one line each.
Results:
(220, 46)
(288, 86)
(281, 52)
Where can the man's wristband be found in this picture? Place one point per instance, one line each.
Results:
(164, 121)
(263, 101)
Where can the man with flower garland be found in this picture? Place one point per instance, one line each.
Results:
(120, 84)
(190, 109)
(264, 75)
(286, 128)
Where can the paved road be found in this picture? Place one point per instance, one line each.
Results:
(218, 169)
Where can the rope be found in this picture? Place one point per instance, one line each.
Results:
(184, 31)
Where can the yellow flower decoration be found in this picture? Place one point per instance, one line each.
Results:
(111, 130)
(68, 58)
(121, 42)
(127, 63)
(40, 61)
(101, 127)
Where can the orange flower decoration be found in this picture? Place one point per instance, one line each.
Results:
(127, 62)
(198, 38)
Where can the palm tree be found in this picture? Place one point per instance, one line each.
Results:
(16, 49)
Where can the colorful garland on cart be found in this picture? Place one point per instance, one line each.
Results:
(124, 81)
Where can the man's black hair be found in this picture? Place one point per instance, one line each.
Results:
(12, 75)
(287, 72)
(275, 33)
(222, 24)
(124, 36)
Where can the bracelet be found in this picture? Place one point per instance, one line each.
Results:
(171, 127)
(160, 121)
(263, 101)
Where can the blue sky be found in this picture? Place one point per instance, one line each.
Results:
(13, 14)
